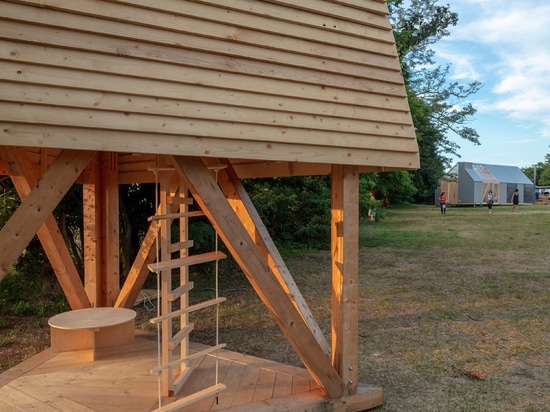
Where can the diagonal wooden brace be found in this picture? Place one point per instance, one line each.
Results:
(34, 215)
(213, 202)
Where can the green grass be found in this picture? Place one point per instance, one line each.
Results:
(454, 311)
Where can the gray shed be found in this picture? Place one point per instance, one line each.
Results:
(468, 183)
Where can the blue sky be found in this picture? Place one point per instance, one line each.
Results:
(504, 44)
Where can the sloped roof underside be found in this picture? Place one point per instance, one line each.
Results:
(259, 82)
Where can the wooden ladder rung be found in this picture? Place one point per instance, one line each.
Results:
(173, 200)
(188, 400)
(181, 335)
(195, 355)
(193, 213)
(174, 247)
(187, 261)
(188, 309)
(176, 293)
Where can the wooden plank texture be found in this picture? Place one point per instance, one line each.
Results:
(120, 380)
(317, 82)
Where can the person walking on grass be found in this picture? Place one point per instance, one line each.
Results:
(443, 202)
(515, 201)
(490, 200)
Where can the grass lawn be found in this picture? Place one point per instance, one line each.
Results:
(454, 310)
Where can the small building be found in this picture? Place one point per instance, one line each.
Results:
(467, 183)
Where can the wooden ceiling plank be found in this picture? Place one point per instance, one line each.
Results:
(196, 34)
(266, 76)
(39, 204)
(388, 124)
(193, 103)
(197, 51)
(171, 14)
(309, 98)
(387, 137)
(213, 202)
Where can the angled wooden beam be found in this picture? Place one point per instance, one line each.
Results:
(242, 205)
(246, 253)
(345, 278)
(35, 211)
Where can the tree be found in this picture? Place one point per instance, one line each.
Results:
(539, 173)
(438, 107)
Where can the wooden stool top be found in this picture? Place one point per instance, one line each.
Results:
(91, 318)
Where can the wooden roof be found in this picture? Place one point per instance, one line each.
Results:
(279, 88)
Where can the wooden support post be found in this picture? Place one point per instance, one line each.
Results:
(39, 204)
(110, 230)
(101, 230)
(251, 260)
(24, 177)
(91, 236)
(345, 278)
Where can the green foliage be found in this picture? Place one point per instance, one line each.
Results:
(439, 108)
(541, 170)
(27, 298)
(9, 201)
(295, 210)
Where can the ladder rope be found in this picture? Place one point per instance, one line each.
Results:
(218, 305)
(156, 221)
(157, 249)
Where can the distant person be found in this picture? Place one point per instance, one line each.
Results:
(490, 201)
(515, 201)
(443, 202)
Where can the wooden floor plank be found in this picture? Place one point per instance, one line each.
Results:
(283, 385)
(247, 386)
(121, 380)
(203, 376)
(233, 376)
(17, 399)
(26, 366)
(264, 386)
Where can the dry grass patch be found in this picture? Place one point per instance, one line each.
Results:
(454, 311)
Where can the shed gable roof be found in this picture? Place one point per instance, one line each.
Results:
(481, 172)
(254, 81)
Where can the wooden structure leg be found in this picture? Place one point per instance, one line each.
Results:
(39, 204)
(345, 273)
(101, 230)
(24, 179)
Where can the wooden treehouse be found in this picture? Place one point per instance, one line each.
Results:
(194, 96)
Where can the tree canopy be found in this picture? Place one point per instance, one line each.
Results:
(439, 108)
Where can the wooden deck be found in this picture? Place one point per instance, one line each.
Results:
(120, 380)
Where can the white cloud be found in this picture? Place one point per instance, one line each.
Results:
(504, 44)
